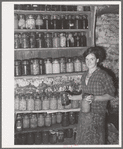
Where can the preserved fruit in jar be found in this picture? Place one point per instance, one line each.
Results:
(39, 22)
(21, 22)
(62, 40)
(53, 102)
(40, 40)
(59, 117)
(60, 136)
(48, 120)
(48, 40)
(30, 22)
(53, 118)
(30, 103)
(40, 120)
(65, 119)
(69, 65)
(45, 103)
(34, 66)
(17, 68)
(77, 64)
(37, 103)
(56, 66)
(53, 137)
(62, 65)
(25, 67)
(22, 106)
(48, 66)
(25, 121)
(17, 102)
(25, 40)
(41, 66)
(33, 121)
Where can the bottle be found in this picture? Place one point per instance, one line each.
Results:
(41, 66)
(83, 42)
(70, 40)
(30, 22)
(16, 41)
(17, 68)
(51, 22)
(47, 21)
(30, 102)
(35, 7)
(24, 139)
(37, 103)
(32, 40)
(39, 22)
(40, 40)
(25, 40)
(40, 118)
(48, 66)
(15, 21)
(25, 68)
(62, 40)
(61, 136)
(22, 106)
(48, 40)
(56, 41)
(21, 22)
(77, 64)
(59, 117)
(33, 121)
(62, 18)
(45, 103)
(77, 40)
(65, 119)
(81, 22)
(85, 22)
(62, 65)
(16, 102)
(75, 104)
(18, 123)
(56, 65)
(66, 22)
(77, 22)
(53, 118)
(69, 65)
(55, 22)
(25, 121)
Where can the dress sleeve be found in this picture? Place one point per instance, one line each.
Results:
(108, 85)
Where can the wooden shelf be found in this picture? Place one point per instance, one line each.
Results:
(46, 128)
(45, 49)
(50, 30)
(49, 111)
(49, 75)
(51, 12)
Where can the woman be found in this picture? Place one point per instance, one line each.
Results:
(96, 82)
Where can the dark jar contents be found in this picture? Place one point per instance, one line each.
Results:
(41, 66)
(85, 22)
(53, 137)
(76, 117)
(70, 40)
(60, 136)
(65, 119)
(24, 139)
(83, 41)
(30, 138)
(77, 64)
(45, 137)
(77, 40)
(48, 40)
(17, 139)
(69, 133)
(25, 40)
(32, 40)
(40, 40)
(33, 121)
(72, 118)
(25, 68)
(38, 138)
(25, 121)
(18, 123)
(17, 68)
(34, 66)
(62, 65)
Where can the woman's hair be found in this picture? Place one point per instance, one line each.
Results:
(98, 51)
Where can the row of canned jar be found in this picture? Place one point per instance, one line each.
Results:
(37, 7)
(49, 40)
(45, 137)
(33, 121)
(38, 66)
(46, 102)
(31, 21)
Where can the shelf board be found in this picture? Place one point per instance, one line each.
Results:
(50, 30)
(49, 111)
(51, 12)
(45, 49)
(49, 75)
(46, 128)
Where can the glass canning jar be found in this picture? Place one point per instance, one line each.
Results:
(72, 117)
(48, 66)
(60, 106)
(56, 40)
(47, 120)
(62, 40)
(59, 117)
(83, 41)
(32, 40)
(16, 41)
(30, 21)
(45, 103)
(53, 137)
(75, 104)
(65, 119)
(25, 68)
(16, 102)
(40, 118)
(30, 102)
(25, 121)
(33, 121)
(38, 138)
(48, 40)
(69, 65)
(30, 138)
(53, 118)
(62, 65)
(15, 21)
(56, 65)
(70, 40)
(77, 64)
(37, 103)
(40, 40)
(39, 22)
(25, 40)
(34, 66)
(53, 102)
(23, 104)
(60, 136)
(21, 22)
(41, 66)
(17, 68)
(45, 137)
(18, 123)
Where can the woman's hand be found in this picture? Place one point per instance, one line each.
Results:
(89, 98)
(75, 97)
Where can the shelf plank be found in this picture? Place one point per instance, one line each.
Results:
(51, 30)
(51, 12)
(49, 75)
(49, 111)
(45, 128)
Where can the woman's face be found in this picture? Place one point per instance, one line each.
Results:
(91, 61)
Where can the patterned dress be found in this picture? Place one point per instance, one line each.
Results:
(91, 126)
